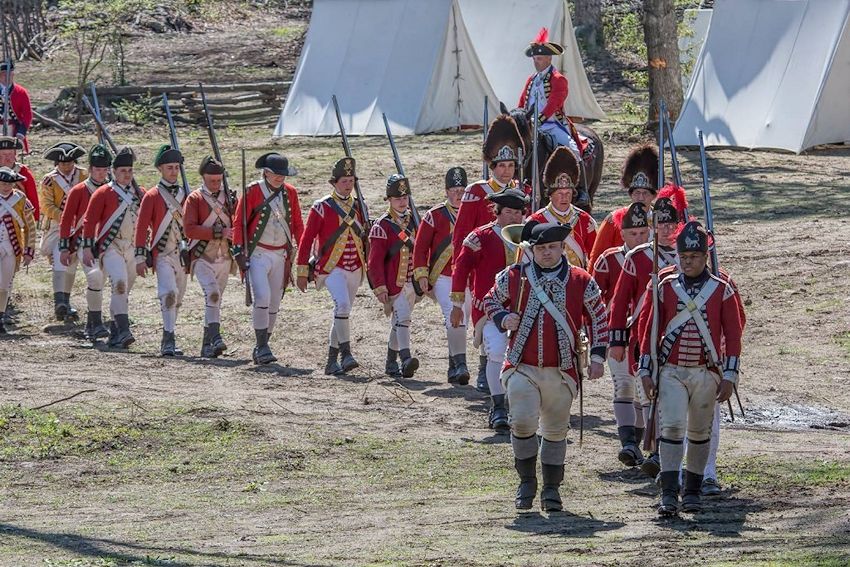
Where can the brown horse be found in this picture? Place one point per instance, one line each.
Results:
(593, 158)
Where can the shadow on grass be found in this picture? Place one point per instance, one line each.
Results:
(720, 517)
(135, 554)
(563, 523)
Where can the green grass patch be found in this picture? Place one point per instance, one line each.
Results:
(287, 33)
(763, 472)
(792, 559)
(843, 340)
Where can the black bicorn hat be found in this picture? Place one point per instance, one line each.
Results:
(100, 156)
(10, 143)
(692, 238)
(8, 175)
(4, 63)
(542, 46)
(344, 167)
(544, 232)
(636, 217)
(211, 166)
(276, 163)
(64, 152)
(167, 154)
(124, 158)
(397, 186)
(510, 198)
(664, 211)
(456, 177)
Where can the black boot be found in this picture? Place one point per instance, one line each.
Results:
(499, 414)
(123, 337)
(206, 347)
(639, 436)
(481, 382)
(60, 309)
(630, 454)
(550, 498)
(262, 353)
(97, 330)
(651, 466)
(450, 373)
(72, 315)
(3, 330)
(166, 345)
(409, 364)
(691, 501)
(216, 342)
(346, 359)
(392, 369)
(527, 489)
(332, 368)
(669, 505)
(461, 371)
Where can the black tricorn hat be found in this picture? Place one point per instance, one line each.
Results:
(275, 163)
(344, 167)
(211, 166)
(9, 62)
(510, 198)
(636, 217)
(64, 152)
(542, 46)
(397, 186)
(99, 156)
(544, 232)
(561, 170)
(503, 141)
(664, 211)
(10, 143)
(640, 170)
(124, 158)
(692, 238)
(167, 154)
(456, 177)
(10, 176)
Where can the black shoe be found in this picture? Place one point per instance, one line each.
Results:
(710, 487)
(95, 329)
(629, 455)
(550, 498)
(60, 308)
(332, 368)
(206, 347)
(3, 330)
(452, 371)
(461, 375)
(527, 489)
(409, 364)
(651, 466)
(166, 345)
(481, 382)
(262, 353)
(499, 415)
(391, 368)
(122, 338)
(346, 359)
(691, 501)
(72, 316)
(216, 342)
(669, 505)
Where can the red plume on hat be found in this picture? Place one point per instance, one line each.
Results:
(542, 36)
(677, 196)
(542, 46)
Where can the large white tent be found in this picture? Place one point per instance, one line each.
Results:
(427, 64)
(772, 74)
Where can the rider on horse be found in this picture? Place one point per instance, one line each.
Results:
(547, 88)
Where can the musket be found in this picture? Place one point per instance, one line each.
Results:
(400, 169)
(249, 299)
(175, 144)
(229, 197)
(7, 93)
(96, 111)
(484, 171)
(535, 160)
(108, 139)
(709, 225)
(674, 157)
(361, 202)
(651, 426)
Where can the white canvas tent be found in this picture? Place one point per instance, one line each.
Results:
(697, 21)
(772, 74)
(417, 61)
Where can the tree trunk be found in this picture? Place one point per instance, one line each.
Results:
(588, 24)
(662, 50)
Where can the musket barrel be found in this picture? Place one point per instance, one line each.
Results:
(175, 144)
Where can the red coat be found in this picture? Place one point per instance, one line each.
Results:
(71, 222)
(606, 271)
(28, 187)
(323, 221)
(482, 255)
(608, 233)
(721, 314)
(580, 297)
(20, 115)
(556, 87)
(390, 255)
(151, 213)
(580, 240)
(104, 201)
(433, 249)
(258, 218)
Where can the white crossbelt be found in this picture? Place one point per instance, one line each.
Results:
(126, 201)
(216, 213)
(547, 304)
(7, 207)
(693, 311)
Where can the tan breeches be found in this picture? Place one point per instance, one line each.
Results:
(539, 398)
(119, 264)
(686, 400)
(212, 277)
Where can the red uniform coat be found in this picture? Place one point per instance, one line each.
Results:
(28, 187)
(258, 217)
(20, 115)
(721, 313)
(323, 221)
(71, 222)
(580, 240)
(104, 201)
(608, 233)
(433, 249)
(475, 210)
(556, 88)
(390, 254)
(482, 256)
(606, 271)
(151, 213)
(539, 341)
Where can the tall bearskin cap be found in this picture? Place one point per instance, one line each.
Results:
(561, 170)
(640, 171)
(503, 141)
